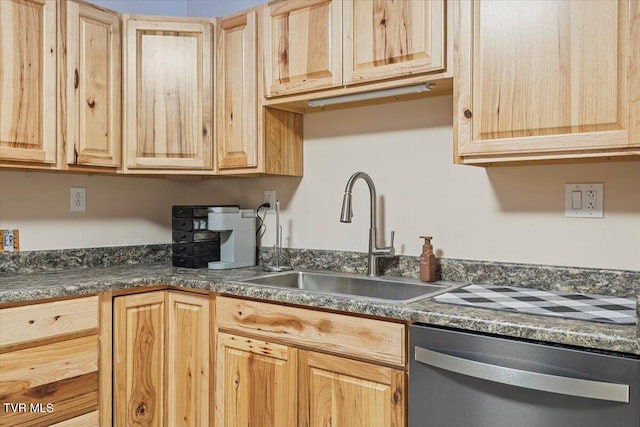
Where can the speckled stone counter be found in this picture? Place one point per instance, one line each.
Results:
(64, 259)
(82, 281)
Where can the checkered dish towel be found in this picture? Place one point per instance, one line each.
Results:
(595, 308)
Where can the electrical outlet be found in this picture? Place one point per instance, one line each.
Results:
(584, 200)
(270, 197)
(78, 199)
(591, 200)
(10, 240)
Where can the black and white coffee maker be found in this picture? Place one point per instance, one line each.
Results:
(237, 229)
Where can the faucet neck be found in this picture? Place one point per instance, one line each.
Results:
(345, 216)
(372, 195)
(372, 261)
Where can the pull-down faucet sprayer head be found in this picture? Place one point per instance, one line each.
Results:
(346, 213)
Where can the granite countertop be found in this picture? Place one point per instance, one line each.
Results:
(83, 281)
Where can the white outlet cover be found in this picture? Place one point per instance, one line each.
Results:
(78, 199)
(590, 206)
(270, 197)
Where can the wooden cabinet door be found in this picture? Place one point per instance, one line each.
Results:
(250, 139)
(168, 94)
(302, 46)
(256, 383)
(236, 92)
(139, 359)
(188, 372)
(28, 81)
(392, 39)
(342, 392)
(546, 80)
(93, 86)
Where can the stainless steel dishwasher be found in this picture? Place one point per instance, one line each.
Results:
(462, 379)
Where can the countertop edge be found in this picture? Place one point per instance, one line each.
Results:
(578, 333)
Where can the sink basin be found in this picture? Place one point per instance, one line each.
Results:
(388, 289)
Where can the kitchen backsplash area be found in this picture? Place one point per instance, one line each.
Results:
(65, 259)
(567, 279)
(624, 283)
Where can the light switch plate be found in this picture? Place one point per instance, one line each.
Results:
(584, 200)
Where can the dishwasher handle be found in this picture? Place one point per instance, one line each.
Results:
(525, 379)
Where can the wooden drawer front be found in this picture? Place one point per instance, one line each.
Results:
(337, 333)
(38, 321)
(87, 420)
(49, 383)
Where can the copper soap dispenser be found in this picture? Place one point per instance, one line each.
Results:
(427, 261)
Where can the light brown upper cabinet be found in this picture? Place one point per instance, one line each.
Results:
(250, 138)
(90, 58)
(73, 123)
(321, 44)
(546, 80)
(303, 46)
(236, 97)
(28, 83)
(386, 39)
(168, 95)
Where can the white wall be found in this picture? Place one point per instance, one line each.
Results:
(513, 214)
(120, 210)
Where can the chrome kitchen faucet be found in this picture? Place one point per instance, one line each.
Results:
(345, 216)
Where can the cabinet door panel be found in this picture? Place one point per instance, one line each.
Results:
(168, 94)
(303, 46)
(343, 392)
(139, 342)
(188, 360)
(236, 93)
(28, 81)
(256, 383)
(547, 78)
(392, 39)
(93, 51)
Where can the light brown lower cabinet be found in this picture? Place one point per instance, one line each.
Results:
(49, 363)
(275, 365)
(256, 383)
(161, 359)
(336, 391)
(273, 368)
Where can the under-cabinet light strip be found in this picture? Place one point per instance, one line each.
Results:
(424, 87)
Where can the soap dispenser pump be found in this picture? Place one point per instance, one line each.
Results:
(427, 261)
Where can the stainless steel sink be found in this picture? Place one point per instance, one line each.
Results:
(388, 289)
